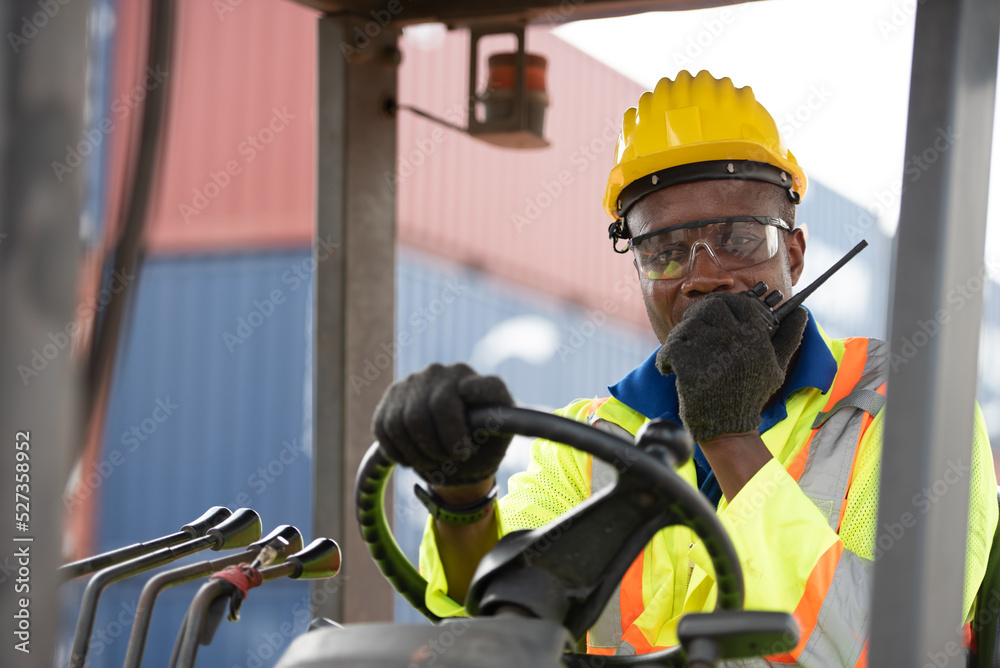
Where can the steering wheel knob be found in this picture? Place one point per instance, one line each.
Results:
(667, 441)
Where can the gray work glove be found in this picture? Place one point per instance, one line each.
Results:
(727, 365)
(420, 423)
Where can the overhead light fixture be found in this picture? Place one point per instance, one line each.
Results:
(514, 101)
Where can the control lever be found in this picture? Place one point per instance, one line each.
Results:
(238, 530)
(195, 529)
(321, 559)
(276, 546)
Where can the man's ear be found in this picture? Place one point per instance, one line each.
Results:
(796, 245)
(637, 272)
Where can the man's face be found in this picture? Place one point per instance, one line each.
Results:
(667, 299)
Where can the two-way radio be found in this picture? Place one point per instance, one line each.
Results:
(773, 316)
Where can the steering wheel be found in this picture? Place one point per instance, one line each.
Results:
(528, 571)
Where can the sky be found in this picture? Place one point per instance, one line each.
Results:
(835, 75)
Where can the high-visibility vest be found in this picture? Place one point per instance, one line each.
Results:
(838, 588)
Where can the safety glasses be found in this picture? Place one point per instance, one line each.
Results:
(734, 242)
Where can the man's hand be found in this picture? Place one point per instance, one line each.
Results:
(726, 364)
(420, 423)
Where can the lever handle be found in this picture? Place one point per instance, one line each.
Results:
(239, 530)
(321, 559)
(285, 532)
(209, 519)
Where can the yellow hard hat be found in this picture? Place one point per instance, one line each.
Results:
(697, 128)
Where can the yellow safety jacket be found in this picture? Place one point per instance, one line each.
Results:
(804, 527)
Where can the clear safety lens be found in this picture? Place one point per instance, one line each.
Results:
(735, 243)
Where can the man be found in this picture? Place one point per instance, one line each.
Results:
(789, 426)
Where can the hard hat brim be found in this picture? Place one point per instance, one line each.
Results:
(631, 170)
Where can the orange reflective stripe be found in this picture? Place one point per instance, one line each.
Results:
(632, 606)
(863, 659)
(799, 463)
(595, 404)
(631, 593)
(849, 370)
(638, 641)
(809, 605)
